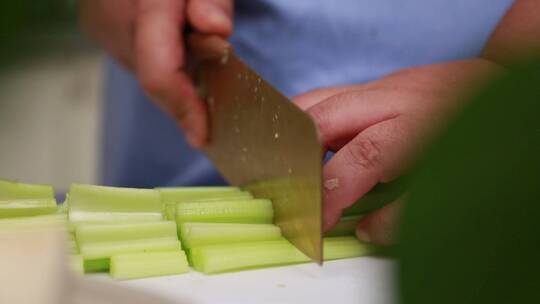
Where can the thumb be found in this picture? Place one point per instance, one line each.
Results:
(211, 16)
(379, 227)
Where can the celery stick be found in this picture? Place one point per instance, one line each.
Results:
(99, 203)
(170, 206)
(92, 251)
(230, 257)
(34, 221)
(72, 247)
(234, 211)
(26, 207)
(344, 247)
(148, 264)
(221, 258)
(76, 264)
(14, 190)
(176, 194)
(345, 226)
(200, 234)
(96, 265)
(92, 233)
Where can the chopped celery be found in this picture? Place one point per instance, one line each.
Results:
(92, 251)
(170, 205)
(88, 203)
(234, 211)
(92, 233)
(171, 196)
(96, 265)
(342, 247)
(230, 257)
(72, 246)
(200, 234)
(180, 194)
(13, 190)
(76, 264)
(26, 207)
(34, 221)
(148, 264)
(345, 226)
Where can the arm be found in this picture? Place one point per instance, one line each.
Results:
(378, 128)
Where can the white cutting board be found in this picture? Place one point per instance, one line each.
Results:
(359, 280)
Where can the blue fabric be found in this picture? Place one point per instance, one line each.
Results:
(297, 46)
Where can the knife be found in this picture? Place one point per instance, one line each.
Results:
(260, 141)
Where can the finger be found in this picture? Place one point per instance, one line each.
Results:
(211, 16)
(159, 61)
(337, 117)
(376, 155)
(313, 97)
(380, 226)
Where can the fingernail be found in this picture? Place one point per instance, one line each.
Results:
(363, 236)
(217, 16)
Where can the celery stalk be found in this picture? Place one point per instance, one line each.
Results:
(234, 211)
(228, 257)
(231, 257)
(345, 226)
(88, 203)
(171, 196)
(26, 207)
(200, 234)
(99, 233)
(335, 248)
(96, 265)
(13, 190)
(93, 251)
(180, 194)
(148, 264)
(76, 264)
(34, 221)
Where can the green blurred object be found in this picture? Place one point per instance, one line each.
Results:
(29, 27)
(471, 228)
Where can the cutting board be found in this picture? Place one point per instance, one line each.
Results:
(358, 280)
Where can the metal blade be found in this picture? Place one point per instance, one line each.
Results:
(262, 142)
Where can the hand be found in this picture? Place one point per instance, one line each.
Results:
(377, 129)
(145, 36)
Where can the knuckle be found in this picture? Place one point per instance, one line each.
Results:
(364, 154)
(320, 116)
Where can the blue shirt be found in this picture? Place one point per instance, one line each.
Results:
(297, 45)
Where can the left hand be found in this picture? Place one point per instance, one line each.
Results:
(377, 129)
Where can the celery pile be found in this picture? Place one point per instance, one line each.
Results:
(135, 233)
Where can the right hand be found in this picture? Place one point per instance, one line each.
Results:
(146, 37)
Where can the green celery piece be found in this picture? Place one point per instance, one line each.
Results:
(10, 190)
(93, 251)
(76, 263)
(87, 203)
(238, 256)
(232, 257)
(255, 211)
(99, 233)
(34, 221)
(200, 234)
(345, 226)
(343, 247)
(96, 265)
(72, 246)
(179, 194)
(170, 206)
(148, 264)
(26, 207)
